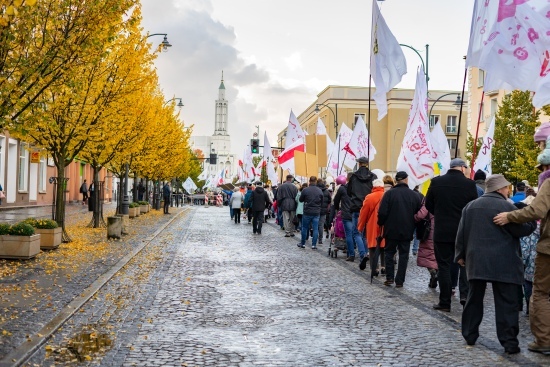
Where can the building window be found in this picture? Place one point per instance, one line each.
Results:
(23, 167)
(42, 171)
(481, 78)
(494, 107)
(434, 119)
(480, 107)
(356, 117)
(452, 146)
(451, 125)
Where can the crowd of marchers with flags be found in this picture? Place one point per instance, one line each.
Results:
(468, 226)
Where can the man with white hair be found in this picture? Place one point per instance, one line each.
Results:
(485, 250)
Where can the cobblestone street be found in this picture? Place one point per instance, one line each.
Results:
(207, 292)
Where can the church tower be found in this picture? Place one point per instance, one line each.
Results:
(220, 127)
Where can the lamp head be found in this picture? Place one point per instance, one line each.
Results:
(165, 44)
(458, 102)
(180, 104)
(317, 110)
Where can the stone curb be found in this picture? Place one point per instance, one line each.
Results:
(25, 351)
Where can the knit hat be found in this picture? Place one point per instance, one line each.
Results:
(378, 183)
(495, 182)
(542, 132)
(480, 175)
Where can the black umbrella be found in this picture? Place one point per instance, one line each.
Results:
(374, 259)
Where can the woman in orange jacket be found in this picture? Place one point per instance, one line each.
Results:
(368, 218)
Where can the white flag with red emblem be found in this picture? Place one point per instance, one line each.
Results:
(336, 160)
(510, 41)
(416, 156)
(358, 145)
(268, 159)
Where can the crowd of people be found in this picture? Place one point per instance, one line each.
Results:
(466, 233)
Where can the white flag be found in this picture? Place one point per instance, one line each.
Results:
(358, 145)
(322, 130)
(268, 158)
(286, 158)
(442, 153)
(510, 41)
(294, 131)
(248, 165)
(416, 156)
(336, 160)
(387, 61)
(203, 175)
(189, 185)
(483, 159)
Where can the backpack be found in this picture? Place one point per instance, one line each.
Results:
(423, 229)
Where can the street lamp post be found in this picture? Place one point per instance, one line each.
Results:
(458, 101)
(125, 204)
(164, 44)
(180, 103)
(424, 65)
(393, 147)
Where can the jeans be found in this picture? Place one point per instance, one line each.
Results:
(357, 236)
(392, 246)
(237, 215)
(322, 219)
(258, 221)
(231, 212)
(348, 229)
(307, 221)
(416, 243)
(444, 254)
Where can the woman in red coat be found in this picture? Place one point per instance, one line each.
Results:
(426, 254)
(368, 218)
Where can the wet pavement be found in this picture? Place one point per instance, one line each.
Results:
(204, 291)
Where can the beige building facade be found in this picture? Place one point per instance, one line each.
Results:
(348, 103)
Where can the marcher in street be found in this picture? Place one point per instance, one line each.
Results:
(286, 202)
(235, 203)
(479, 178)
(396, 216)
(312, 197)
(528, 255)
(416, 242)
(84, 192)
(368, 222)
(426, 255)
(520, 192)
(260, 201)
(491, 254)
(342, 203)
(539, 307)
(166, 191)
(445, 199)
(248, 203)
(297, 222)
(359, 186)
(325, 207)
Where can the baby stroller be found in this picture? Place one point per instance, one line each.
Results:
(337, 236)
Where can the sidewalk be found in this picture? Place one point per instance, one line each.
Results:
(33, 292)
(16, 214)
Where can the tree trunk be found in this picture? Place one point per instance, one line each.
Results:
(60, 195)
(135, 197)
(96, 198)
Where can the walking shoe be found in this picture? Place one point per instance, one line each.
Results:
(320, 242)
(300, 245)
(463, 302)
(350, 258)
(383, 271)
(259, 232)
(388, 282)
(415, 253)
(314, 247)
(292, 235)
(512, 350)
(433, 279)
(534, 347)
(287, 235)
(438, 307)
(363, 263)
(399, 286)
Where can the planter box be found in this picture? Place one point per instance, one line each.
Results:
(133, 212)
(19, 247)
(143, 209)
(49, 238)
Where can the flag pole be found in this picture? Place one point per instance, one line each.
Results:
(461, 104)
(474, 156)
(368, 124)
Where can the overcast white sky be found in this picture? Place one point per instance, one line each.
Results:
(277, 55)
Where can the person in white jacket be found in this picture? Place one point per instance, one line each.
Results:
(235, 203)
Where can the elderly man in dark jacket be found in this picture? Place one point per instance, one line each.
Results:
(446, 197)
(491, 253)
(312, 197)
(286, 202)
(359, 186)
(396, 215)
(260, 201)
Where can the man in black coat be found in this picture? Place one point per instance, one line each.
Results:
(312, 197)
(491, 254)
(396, 215)
(446, 197)
(260, 201)
(325, 207)
(359, 186)
(286, 202)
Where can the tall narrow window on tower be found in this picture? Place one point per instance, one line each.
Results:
(255, 146)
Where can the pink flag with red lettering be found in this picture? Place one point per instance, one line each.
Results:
(294, 131)
(510, 41)
(416, 156)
